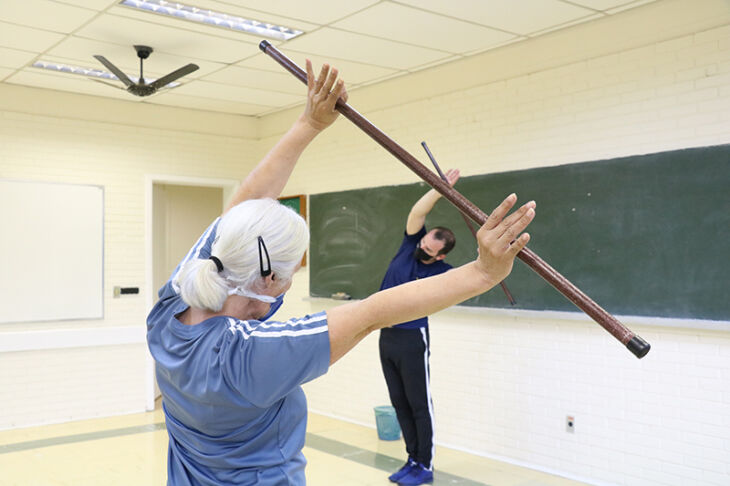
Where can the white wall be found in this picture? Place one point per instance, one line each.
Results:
(44, 377)
(653, 79)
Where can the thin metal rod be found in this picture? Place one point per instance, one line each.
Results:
(638, 346)
(469, 224)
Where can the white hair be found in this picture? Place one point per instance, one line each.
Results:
(236, 245)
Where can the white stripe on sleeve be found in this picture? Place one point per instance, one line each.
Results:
(247, 331)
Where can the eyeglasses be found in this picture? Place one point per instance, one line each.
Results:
(264, 272)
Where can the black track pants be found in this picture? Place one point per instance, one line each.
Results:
(404, 357)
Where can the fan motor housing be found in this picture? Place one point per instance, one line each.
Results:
(141, 89)
(143, 52)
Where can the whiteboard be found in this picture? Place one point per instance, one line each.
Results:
(51, 251)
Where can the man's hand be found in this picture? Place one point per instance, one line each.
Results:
(452, 175)
(417, 216)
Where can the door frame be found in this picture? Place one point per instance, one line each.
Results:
(228, 186)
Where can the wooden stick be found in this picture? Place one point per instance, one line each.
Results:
(633, 342)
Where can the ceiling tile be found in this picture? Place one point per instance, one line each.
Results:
(179, 41)
(552, 28)
(5, 72)
(329, 43)
(523, 17)
(26, 38)
(254, 78)
(238, 93)
(412, 26)
(44, 14)
(435, 63)
(98, 5)
(352, 72)
(13, 58)
(634, 4)
(209, 104)
(603, 4)
(315, 11)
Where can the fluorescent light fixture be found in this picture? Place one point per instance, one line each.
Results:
(93, 73)
(210, 17)
(54, 66)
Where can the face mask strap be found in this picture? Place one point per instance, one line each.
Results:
(251, 295)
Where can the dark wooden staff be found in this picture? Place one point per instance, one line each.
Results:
(469, 224)
(633, 342)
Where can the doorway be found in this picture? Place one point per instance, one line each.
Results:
(179, 211)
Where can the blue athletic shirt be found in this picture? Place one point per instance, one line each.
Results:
(233, 404)
(405, 268)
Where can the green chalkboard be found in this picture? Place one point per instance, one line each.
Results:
(646, 235)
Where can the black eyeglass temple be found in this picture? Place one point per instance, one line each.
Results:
(264, 272)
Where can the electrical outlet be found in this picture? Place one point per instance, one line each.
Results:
(570, 424)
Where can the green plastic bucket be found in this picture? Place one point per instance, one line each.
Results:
(387, 423)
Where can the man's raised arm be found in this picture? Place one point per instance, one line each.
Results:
(419, 211)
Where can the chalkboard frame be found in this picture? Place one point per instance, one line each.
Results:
(299, 204)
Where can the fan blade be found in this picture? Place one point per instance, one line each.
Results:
(108, 84)
(116, 71)
(169, 78)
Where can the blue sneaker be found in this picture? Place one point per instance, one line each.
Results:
(418, 475)
(393, 478)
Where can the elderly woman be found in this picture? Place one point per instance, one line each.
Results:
(230, 377)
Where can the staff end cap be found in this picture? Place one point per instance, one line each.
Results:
(638, 346)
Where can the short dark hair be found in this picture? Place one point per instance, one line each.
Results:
(445, 235)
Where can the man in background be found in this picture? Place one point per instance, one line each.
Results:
(405, 347)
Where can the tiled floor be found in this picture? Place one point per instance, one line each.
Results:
(131, 450)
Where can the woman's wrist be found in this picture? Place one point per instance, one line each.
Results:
(315, 125)
(306, 123)
(485, 278)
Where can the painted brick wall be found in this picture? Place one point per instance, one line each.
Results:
(61, 385)
(503, 383)
(55, 385)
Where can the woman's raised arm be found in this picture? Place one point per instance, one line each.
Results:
(269, 177)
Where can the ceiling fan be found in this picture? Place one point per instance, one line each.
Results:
(141, 88)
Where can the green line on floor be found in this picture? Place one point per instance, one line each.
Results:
(376, 460)
(317, 442)
(70, 439)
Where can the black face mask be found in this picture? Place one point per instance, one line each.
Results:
(421, 255)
